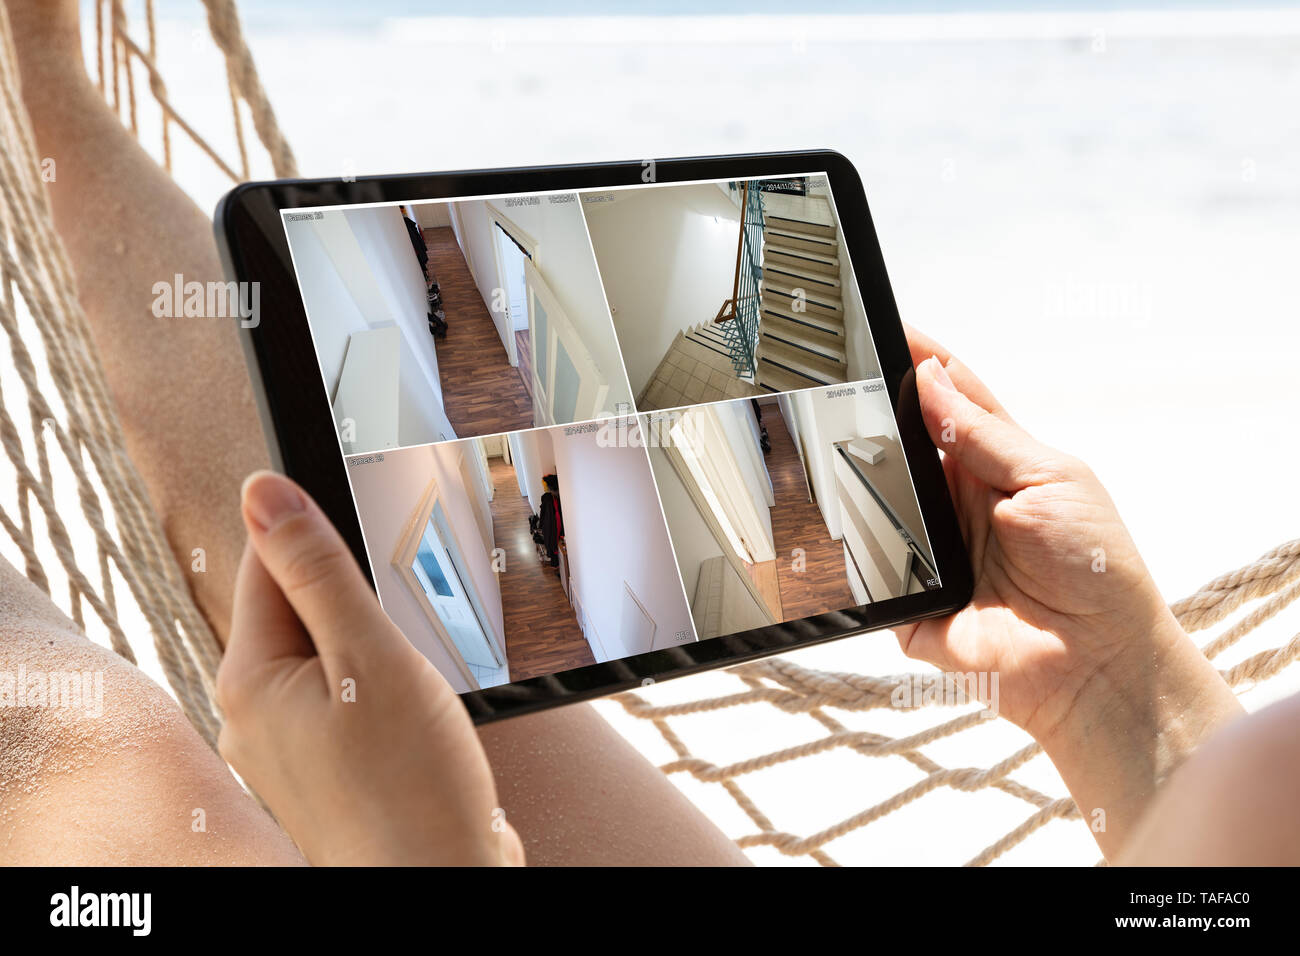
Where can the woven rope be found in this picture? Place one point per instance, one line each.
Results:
(82, 437)
(77, 433)
(793, 689)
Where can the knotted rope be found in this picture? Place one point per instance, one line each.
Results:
(794, 689)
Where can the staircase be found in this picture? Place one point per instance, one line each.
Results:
(710, 335)
(801, 319)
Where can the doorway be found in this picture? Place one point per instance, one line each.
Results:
(444, 588)
(714, 477)
(431, 560)
(511, 257)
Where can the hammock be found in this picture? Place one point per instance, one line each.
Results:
(106, 562)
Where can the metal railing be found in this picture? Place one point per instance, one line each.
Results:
(920, 567)
(739, 315)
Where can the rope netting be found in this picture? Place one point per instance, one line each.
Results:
(1269, 584)
(75, 508)
(106, 561)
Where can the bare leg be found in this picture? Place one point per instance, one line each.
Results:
(179, 384)
(112, 773)
(580, 795)
(576, 791)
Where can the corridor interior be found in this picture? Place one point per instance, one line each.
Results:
(797, 525)
(508, 557)
(442, 320)
(484, 394)
(528, 339)
(822, 518)
(542, 632)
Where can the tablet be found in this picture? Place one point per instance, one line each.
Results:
(591, 427)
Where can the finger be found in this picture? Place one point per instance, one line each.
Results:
(923, 347)
(927, 641)
(310, 563)
(264, 628)
(995, 451)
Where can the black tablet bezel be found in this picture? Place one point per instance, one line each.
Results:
(296, 409)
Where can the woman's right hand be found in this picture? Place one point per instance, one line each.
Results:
(358, 745)
(1089, 659)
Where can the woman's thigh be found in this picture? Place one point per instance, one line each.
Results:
(97, 763)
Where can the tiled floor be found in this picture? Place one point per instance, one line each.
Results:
(692, 373)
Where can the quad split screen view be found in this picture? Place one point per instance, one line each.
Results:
(581, 426)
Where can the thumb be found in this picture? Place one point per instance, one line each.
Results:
(310, 563)
(994, 450)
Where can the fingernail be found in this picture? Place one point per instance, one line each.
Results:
(941, 374)
(270, 498)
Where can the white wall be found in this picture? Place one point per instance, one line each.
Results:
(860, 349)
(387, 493)
(615, 533)
(692, 539)
(536, 457)
(475, 238)
(332, 313)
(822, 421)
(667, 256)
(386, 245)
(432, 215)
(741, 431)
(357, 270)
(785, 402)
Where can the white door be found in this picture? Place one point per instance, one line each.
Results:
(698, 438)
(437, 574)
(512, 261)
(567, 386)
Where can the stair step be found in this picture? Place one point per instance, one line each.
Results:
(776, 379)
(803, 336)
(709, 343)
(799, 240)
(800, 227)
(789, 255)
(798, 275)
(812, 207)
(818, 369)
(814, 300)
(780, 308)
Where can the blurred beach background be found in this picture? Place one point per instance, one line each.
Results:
(1097, 208)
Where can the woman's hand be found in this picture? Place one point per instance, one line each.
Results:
(1089, 659)
(357, 744)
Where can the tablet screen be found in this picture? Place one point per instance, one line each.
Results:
(584, 425)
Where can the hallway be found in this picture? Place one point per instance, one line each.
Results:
(542, 634)
(797, 523)
(482, 393)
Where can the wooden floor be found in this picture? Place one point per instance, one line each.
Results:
(797, 523)
(523, 348)
(542, 634)
(482, 392)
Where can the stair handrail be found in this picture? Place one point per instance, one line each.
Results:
(739, 315)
